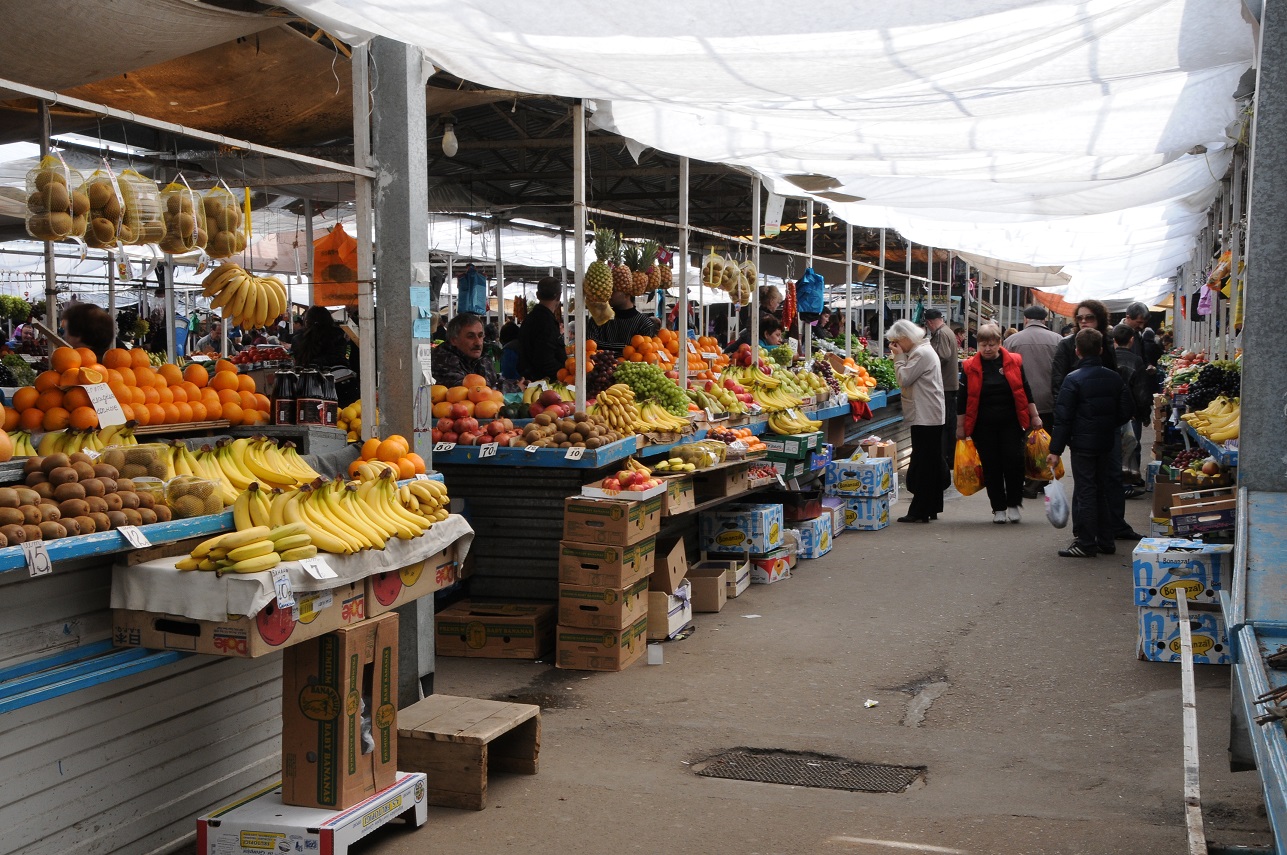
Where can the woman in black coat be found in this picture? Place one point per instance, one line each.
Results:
(1089, 315)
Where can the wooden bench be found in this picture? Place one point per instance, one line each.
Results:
(456, 741)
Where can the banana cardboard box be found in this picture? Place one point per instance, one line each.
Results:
(756, 529)
(669, 613)
(867, 513)
(1160, 635)
(681, 496)
(494, 630)
(793, 446)
(580, 649)
(601, 607)
(859, 476)
(612, 522)
(392, 588)
(815, 536)
(1165, 566)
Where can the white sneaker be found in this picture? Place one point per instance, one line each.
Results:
(998, 517)
(1012, 514)
(951, 493)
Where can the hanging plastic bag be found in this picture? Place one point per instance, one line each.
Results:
(809, 294)
(967, 469)
(1057, 509)
(106, 208)
(224, 222)
(918, 313)
(335, 269)
(141, 221)
(712, 270)
(184, 217)
(1036, 449)
(54, 209)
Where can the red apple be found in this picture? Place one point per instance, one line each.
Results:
(548, 398)
(535, 409)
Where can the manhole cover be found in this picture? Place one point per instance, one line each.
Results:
(809, 770)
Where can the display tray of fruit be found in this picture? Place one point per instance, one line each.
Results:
(634, 483)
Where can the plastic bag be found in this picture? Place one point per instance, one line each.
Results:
(224, 223)
(1057, 509)
(712, 270)
(106, 209)
(1036, 448)
(810, 293)
(54, 210)
(967, 469)
(335, 268)
(141, 205)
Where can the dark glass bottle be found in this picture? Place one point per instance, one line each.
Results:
(331, 401)
(310, 406)
(285, 394)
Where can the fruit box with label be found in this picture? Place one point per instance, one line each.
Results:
(331, 686)
(741, 528)
(789, 469)
(821, 458)
(834, 506)
(860, 476)
(792, 446)
(669, 567)
(867, 514)
(389, 589)
(1165, 566)
(669, 613)
(580, 649)
(602, 607)
(494, 630)
(316, 612)
(1159, 639)
(611, 522)
(1203, 510)
(772, 567)
(815, 536)
(608, 566)
(681, 496)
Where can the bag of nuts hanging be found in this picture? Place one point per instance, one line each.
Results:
(141, 202)
(54, 209)
(184, 215)
(106, 209)
(224, 222)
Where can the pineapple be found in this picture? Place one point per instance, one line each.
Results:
(632, 253)
(598, 276)
(622, 278)
(667, 275)
(650, 248)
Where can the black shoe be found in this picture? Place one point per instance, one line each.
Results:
(1031, 494)
(910, 518)
(1076, 550)
(1135, 492)
(1111, 549)
(1128, 534)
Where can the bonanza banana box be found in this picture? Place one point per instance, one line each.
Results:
(333, 686)
(580, 649)
(1159, 639)
(1164, 566)
(609, 566)
(315, 613)
(612, 522)
(860, 476)
(602, 607)
(741, 528)
(815, 536)
(867, 514)
(494, 630)
(392, 588)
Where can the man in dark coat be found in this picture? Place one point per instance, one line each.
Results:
(541, 351)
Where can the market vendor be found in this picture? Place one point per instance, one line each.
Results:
(86, 325)
(541, 352)
(770, 334)
(462, 353)
(627, 323)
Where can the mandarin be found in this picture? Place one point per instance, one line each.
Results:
(83, 418)
(196, 374)
(31, 418)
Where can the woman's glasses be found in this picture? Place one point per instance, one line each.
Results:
(1086, 317)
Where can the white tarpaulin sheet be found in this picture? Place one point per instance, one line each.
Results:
(1019, 129)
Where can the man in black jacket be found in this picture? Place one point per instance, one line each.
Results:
(1092, 405)
(1136, 378)
(541, 352)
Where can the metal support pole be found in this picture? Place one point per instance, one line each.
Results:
(563, 277)
(578, 232)
(929, 276)
(363, 228)
(806, 330)
(1239, 283)
(51, 273)
(880, 299)
(849, 288)
(500, 279)
(683, 273)
(907, 281)
(756, 228)
(111, 293)
(308, 247)
(965, 301)
(167, 304)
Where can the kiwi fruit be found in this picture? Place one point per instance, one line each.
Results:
(117, 519)
(103, 470)
(79, 224)
(109, 485)
(125, 485)
(113, 502)
(52, 531)
(45, 177)
(33, 532)
(186, 507)
(163, 513)
(49, 513)
(102, 230)
(113, 457)
(70, 490)
(40, 228)
(101, 521)
(27, 496)
(85, 523)
(112, 210)
(33, 464)
(30, 514)
(91, 487)
(134, 470)
(80, 204)
(99, 191)
(220, 245)
(72, 526)
(132, 516)
(84, 469)
(97, 504)
(129, 501)
(36, 478)
(60, 223)
(54, 461)
(146, 500)
(147, 515)
(13, 533)
(8, 497)
(73, 507)
(213, 505)
(11, 516)
(202, 238)
(45, 491)
(63, 475)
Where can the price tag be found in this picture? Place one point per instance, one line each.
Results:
(103, 400)
(487, 449)
(281, 584)
(539, 385)
(37, 555)
(90, 453)
(710, 417)
(420, 476)
(576, 452)
(778, 475)
(317, 567)
(439, 447)
(134, 536)
(709, 355)
(532, 449)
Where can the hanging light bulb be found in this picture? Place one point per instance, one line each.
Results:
(450, 145)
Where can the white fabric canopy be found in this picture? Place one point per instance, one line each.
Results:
(1014, 129)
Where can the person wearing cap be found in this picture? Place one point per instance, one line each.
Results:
(1036, 343)
(943, 341)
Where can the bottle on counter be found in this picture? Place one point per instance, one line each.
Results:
(285, 395)
(330, 401)
(310, 405)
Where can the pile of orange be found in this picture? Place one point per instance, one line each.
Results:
(663, 349)
(394, 451)
(855, 368)
(161, 396)
(473, 397)
(567, 374)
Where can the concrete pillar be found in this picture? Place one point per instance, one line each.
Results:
(1263, 439)
(398, 147)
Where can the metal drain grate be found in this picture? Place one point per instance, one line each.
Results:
(809, 770)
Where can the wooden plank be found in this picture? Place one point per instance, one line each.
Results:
(412, 720)
(1197, 838)
(517, 751)
(457, 725)
(457, 772)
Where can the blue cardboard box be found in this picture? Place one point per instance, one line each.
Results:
(867, 513)
(815, 536)
(1164, 566)
(859, 476)
(1160, 636)
(741, 528)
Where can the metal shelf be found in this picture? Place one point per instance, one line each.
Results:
(1223, 456)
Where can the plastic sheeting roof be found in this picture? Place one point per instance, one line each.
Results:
(1087, 134)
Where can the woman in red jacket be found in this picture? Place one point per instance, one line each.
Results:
(995, 408)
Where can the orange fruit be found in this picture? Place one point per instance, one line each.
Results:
(157, 415)
(437, 393)
(369, 448)
(473, 380)
(31, 419)
(248, 401)
(417, 461)
(87, 356)
(486, 409)
(122, 392)
(245, 383)
(75, 398)
(224, 380)
(233, 413)
(64, 359)
(47, 380)
(164, 395)
(47, 400)
(262, 403)
(171, 373)
(406, 469)
(479, 393)
(142, 414)
(113, 376)
(199, 413)
(144, 377)
(469, 407)
(83, 418)
(138, 358)
(177, 394)
(10, 419)
(159, 381)
(70, 377)
(171, 414)
(193, 390)
(138, 396)
(442, 410)
(353, 473)
(151, 395)
(117, 357)
(127, 409)
(56, 418)
(637, 342)
(390, 450)
(25, 398)
(229, 396)
(225, 365)
(185, 410)
(591, 346)
(128, 377)
(456, 394)
(196, 374)
(214, 409)
(208, 395)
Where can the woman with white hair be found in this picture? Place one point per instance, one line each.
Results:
(920, 379)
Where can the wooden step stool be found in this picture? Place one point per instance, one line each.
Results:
(455, 741)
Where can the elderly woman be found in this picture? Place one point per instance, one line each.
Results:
(995, 409)
(920, 379)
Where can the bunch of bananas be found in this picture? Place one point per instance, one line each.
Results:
(616, 406)
(1218, 420)
(71, 440)
(853, 388)
(247, 300)
(750, 376)
(654, 417)
(345, 518)
(241, 461)
(789, 422)
(22, 446)
(253, 549)
(776, 399)
(427, 498)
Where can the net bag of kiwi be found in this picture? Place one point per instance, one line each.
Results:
(224, 222)
(141, 202)
(57, 208)
(189, 496)
(184, 216)
(106, 209)
(147, 460)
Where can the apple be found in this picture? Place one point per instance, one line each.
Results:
(1210, 467)
(548, 398)
(535, 409)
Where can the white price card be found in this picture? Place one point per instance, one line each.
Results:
(487, 449)
(532, 449)
(576, 452)
(710, 417)
(420, 476)
(281, 584)
(37, 555)
(778, 475)
(318, 568)
(439, 447)
(90, 453)
(103, 400)
(134, 536)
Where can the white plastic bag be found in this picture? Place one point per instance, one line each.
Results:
(1057, 509)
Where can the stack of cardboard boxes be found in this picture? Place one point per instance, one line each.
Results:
(748, 532)
(1166, 569)
(867, 485)
(798, 458)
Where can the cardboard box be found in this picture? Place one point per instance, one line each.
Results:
(612, 522)
(862, 476)
(815, 536)
(789, 469)
(669, 567)
(1165, 566)
(494, 630)
(316, 613)
(741, 528)
(1160, 527)
(793, 446)
(392, 588)
(770, 568)
(596, 492)
(1164, 490)
(805, 505)
(819, 459)
(581, 649)
(597, 565)
(1159, 636)
(709, 587)
(681, 496)
(669, 613)
(1201, 497)
(867, 514)
(884, 448)
(1207, 516)
(599, 607)
(330, 684)
(834, 506)
(737, 573)
(721, 483)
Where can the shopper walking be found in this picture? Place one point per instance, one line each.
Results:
(995, 411)
(1037, 343)
(920, 379)
(944, 344)
(1091, 407)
